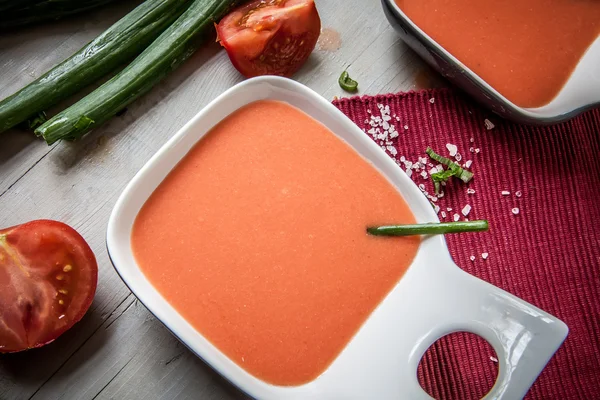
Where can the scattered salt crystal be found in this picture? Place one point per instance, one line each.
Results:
(409, 172)
(468, 164)
(466, 210)
(505, 193)
(424, 174)
(472, 258)
(488, 124)
(458, 157)
(422, 187)
(472, 140)
(436, 208)
(484, 255)
(516, 210)
(477, 151)
(433, 198)
(518, 193)
(443, 214)
(392, 150)
(470, 191)
(441, 194)
(452, 149)
(494, 359)
(449, 209)
(456, 217)
(433, 171)
(432, 100)
(405, 127)
(471, 149)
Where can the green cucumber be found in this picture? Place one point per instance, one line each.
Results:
(170, 50)
(46, 10)
(119, 44)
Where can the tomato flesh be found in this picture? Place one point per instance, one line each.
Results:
(270, 37)
(48, 277)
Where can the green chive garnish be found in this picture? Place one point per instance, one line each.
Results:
(453, 170)
(347, 83)
(429, 228)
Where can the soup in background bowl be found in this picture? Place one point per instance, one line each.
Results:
(531, 61)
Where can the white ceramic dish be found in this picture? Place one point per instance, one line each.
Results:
(434, 298)
(581, 92)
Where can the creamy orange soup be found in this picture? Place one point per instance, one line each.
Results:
(257, 238)
(525, 49)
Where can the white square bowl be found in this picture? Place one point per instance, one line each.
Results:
(433, 298)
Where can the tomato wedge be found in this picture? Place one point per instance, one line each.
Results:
(48, 277)
(270, 37)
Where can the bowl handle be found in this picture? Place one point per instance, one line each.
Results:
(523, 336)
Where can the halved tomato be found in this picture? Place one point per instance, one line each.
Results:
(270, 37)
(48, 277)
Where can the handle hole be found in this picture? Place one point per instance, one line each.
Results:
(460, 365)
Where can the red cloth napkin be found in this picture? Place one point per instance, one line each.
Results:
(543, 246)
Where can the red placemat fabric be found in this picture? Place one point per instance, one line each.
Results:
(548, 254)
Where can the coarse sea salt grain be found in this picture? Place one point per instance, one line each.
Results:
(470, 191)
(468, 164)
(472, 258)
(443, 214)
(488, 124)
(466, 210)
(432, 100)
(516, 211)
(452, 149)
(382, 129)
(485, 256)
(493, 359)
(505, 193)
(456, 217)
(458, 157)
(449, 209)
(518, 193)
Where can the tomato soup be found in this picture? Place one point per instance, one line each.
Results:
(257, 238)
(525, 49)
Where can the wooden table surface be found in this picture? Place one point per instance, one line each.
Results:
(119, 350)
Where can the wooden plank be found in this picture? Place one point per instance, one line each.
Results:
(119, 350)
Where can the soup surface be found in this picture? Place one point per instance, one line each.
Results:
(257, 238)
(525, 49)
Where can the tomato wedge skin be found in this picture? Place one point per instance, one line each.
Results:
(270, 37)
(48, 279)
